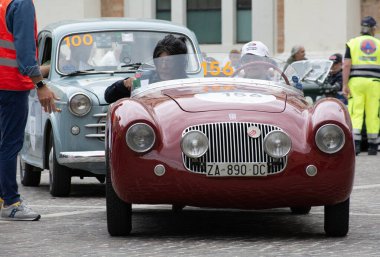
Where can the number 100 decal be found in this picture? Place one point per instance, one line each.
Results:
(79, 40)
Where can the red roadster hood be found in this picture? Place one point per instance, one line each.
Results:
(214, 99)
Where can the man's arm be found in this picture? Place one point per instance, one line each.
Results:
(20, 22)
(346, 72)
(118, 90)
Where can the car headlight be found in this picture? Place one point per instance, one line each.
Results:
(277, 144)
(140, 137)
(80, 104)
(194, 144)
(330, 138)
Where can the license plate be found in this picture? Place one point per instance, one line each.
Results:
(218, 169)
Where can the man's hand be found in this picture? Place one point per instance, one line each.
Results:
(346, 91)
(128, 83)
(47, 97)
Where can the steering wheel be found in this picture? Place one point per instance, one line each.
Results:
(265, 64)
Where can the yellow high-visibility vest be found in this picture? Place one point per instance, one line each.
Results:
(365, 56)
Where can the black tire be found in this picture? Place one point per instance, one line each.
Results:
(337, 219)
(300, 210)
(30, 176)
(59, 176)
(176, 208)
(119, 213)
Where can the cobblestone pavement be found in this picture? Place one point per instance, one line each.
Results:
(76, 226)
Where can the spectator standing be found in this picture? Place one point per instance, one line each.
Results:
(335, 77)
(20, 73)
(233, 59)
(361, 84)
(297, 53)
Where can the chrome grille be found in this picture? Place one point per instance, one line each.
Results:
(229, 143)
(97, 129)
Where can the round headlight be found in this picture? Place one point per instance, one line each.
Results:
(194, 144)
(330, 138)
(140, 137)
(277, 144)
(80, 104)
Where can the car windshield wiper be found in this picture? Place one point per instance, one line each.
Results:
(133, 65)
(77, 72)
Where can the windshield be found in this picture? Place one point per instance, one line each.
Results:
(312, 70)
(121, 51)
(246, 68)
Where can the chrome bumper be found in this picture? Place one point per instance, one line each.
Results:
(79, 157)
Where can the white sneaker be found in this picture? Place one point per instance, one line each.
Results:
(18, 211)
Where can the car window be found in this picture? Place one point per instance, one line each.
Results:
(108, 51)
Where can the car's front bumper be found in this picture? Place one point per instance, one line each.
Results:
(81, 157)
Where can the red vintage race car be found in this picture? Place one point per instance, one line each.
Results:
(232, 139)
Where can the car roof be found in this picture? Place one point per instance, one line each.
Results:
(76, 26)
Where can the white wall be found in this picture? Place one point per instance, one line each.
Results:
(322, 26)
(54, 10)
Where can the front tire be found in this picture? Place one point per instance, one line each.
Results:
(29, 175)
(119, 213)
(59, 176)
(337, 219)
(300, 210)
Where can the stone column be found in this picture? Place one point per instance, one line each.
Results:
(179, 12)
(264, 23)
(228, 23)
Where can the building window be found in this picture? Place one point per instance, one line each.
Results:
(204, 18)
(244, 21)
(163, 10)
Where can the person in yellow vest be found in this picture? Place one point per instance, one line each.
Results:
(361, 84)
(20, 73)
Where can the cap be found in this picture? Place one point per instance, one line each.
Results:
(336, 58)
(255, 48)
(368, 21)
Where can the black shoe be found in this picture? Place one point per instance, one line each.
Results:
(372, 149)
(357, 147)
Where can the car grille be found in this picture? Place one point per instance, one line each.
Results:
(230, 143)
(97, 129)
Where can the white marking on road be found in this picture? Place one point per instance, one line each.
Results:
(353, 214)
(61, 214)
(367, 186)
(67, 206)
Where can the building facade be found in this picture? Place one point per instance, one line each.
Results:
(322, 26)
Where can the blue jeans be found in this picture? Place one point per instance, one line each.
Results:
(13, 117)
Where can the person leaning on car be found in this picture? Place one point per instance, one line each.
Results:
(334, 79)
(361, 83)
(170, 45)
(20, 73)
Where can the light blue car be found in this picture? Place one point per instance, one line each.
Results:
(85, 57)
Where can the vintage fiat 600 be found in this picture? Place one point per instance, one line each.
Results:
(85, 57)
(224, 137)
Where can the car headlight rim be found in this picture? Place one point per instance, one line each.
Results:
(130, 144)
(268, 137)
(323, 147)
(183, 141)
(79, 113)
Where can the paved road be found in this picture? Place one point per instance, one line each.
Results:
(76, 226)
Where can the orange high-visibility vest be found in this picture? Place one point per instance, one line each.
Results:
(11, 78)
